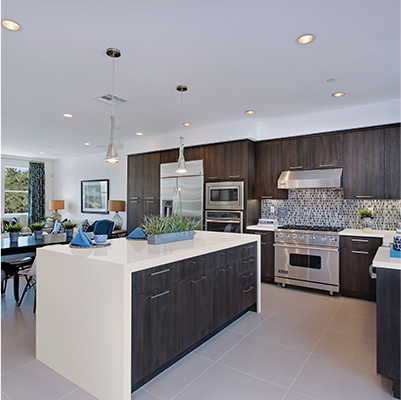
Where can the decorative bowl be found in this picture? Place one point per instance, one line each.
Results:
(100, 238)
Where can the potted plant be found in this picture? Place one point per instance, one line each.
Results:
(14, 230)
(169, 229)
(37, 228)
(366, 218)
(69, 228)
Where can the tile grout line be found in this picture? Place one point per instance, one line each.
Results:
(63, 397)
(5, 395)
(16, 369)
(303, 365)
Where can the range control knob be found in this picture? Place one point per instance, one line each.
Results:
(301, 237)
(287, 236)
(294, 236)
(280, 235)
(332, 239)
(313, 237)
(324, 238)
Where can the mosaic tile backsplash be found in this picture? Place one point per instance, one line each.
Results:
(328, 207)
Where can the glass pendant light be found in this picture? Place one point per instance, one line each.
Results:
(181, 167)
(112, 155)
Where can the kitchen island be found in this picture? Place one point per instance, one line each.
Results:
(92, 323)
(388, 316)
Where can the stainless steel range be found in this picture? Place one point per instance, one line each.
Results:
(307, 256)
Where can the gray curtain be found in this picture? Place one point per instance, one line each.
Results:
(36, 192)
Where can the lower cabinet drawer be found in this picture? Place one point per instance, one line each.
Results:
(246, 297)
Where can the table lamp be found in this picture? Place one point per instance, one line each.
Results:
(56, 205)
(117, 205)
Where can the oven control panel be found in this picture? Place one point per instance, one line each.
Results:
(328, 239)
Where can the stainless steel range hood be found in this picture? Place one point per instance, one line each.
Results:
(313, 178)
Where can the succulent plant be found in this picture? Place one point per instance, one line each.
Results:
(69, 225)
(13, 228)
(37, 226)
(365, 213)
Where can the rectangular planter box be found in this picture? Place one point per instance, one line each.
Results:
(170, 237)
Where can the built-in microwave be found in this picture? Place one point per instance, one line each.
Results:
(225, 196)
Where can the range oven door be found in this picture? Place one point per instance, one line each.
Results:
(306, 264)
(224, 221)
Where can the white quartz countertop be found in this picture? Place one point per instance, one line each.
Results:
(383, 260)
(387, 236)
(137, 255)
(261, 228)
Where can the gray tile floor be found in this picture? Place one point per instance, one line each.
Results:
(304, 345)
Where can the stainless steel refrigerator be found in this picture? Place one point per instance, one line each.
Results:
(182, 193)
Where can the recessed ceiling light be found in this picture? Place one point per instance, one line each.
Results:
(10, 25)
(138, 133)
(67, 115)
(87, 144)
(305, 39)
(41, 152)
(330, 80)
(338, 94)
(186, 123)
(250, 112)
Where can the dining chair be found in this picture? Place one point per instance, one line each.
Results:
(30, 277)
(11, 268)
(104, 227)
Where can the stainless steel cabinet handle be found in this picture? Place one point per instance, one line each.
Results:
(325, 165)
(150, 201)
(248, 290)
(248, 276)
(359, 252)
(160, 272)
(234, 176)
(266, 197)
(262, 242)
(227, 269)
(213, 177)
(134, 197)
(198, 280)
(372, 274)
(247, 261)
(150, 197)
(297, 167)
(307, 248)
(134, 201)
(363, 197)
(160, 294)
(360, 240)
(228, 221)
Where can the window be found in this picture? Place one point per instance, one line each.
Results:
(15, 190)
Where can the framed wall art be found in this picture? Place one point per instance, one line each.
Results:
(95, 196)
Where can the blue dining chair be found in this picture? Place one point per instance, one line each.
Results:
(104, 227)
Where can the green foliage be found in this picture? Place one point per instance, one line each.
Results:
(37, 226)
(16, 179)
(364, 213)
(155, 225)
(69, 225)
(13, 228)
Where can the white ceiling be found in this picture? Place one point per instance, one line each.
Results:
(233, 55)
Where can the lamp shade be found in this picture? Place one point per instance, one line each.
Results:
(116, 205)
(56, 204)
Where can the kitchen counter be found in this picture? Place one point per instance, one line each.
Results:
(261, 228)
(84, 305)
(383, 260)
(387, 236)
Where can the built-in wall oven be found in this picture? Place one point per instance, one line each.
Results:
(224, 221)
(307, 256)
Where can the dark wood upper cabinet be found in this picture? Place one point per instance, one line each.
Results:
(326, 151)
(392, 155)
(169, 156)
(236, 160)
(296, 153)
(268, 167)
(194, 153)
(363, 159)
(214, 162)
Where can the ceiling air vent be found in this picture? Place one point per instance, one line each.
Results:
(111, 99)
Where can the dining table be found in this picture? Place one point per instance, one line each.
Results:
(25, 247)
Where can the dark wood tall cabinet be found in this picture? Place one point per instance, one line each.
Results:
(143, 189)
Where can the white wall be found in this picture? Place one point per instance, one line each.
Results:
(7, 161)
(347, 118)
(68, 174)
